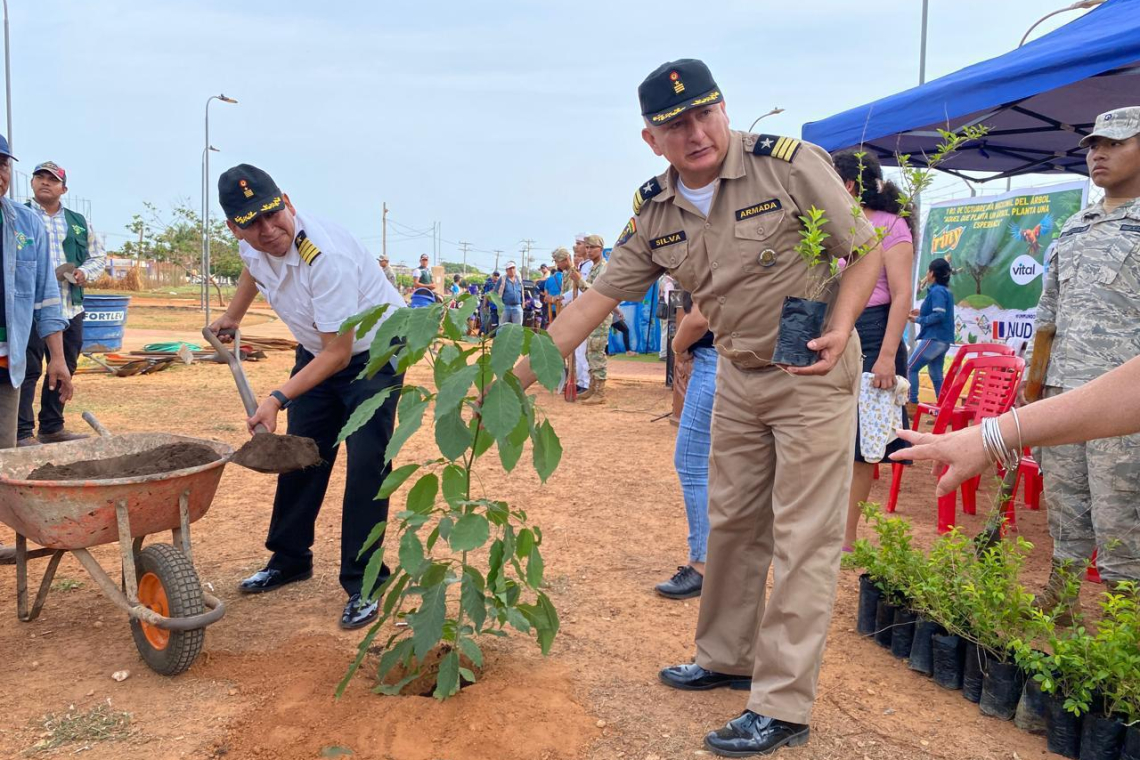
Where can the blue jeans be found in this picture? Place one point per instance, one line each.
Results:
(691, 457)
(929, 354)
(512, 314)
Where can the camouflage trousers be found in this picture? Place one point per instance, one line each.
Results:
(1092, 492)
(596, 349)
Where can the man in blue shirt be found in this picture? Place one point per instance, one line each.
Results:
(29, 300)
(510, 289)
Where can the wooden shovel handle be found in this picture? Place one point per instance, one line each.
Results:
(1039, 362)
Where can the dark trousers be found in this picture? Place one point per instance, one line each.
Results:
(320, 414)
(624, 330)
(51, 408)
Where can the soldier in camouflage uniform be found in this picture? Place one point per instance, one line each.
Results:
(1092, 295)
(600, 337)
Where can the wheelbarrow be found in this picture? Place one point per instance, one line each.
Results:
(160, 590)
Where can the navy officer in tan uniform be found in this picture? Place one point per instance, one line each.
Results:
(723, 220)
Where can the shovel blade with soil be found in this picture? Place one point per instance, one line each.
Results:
(266, 452)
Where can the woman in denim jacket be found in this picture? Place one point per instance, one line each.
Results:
(936, 318)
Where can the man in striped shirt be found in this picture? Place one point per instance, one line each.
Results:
(77, 256)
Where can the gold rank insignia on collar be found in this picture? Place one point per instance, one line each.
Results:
(783, 148)
(305, 247)
(644, 193)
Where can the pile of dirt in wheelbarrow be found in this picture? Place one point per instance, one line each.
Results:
(166, 458)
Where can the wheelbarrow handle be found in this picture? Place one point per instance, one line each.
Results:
(247, 398)
(93, 421)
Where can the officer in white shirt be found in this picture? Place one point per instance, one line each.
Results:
(315, 275)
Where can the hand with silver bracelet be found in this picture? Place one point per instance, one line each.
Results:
(965, 451)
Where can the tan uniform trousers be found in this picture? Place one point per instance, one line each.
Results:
(779, 476)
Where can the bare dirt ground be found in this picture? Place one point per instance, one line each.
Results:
(614, 525)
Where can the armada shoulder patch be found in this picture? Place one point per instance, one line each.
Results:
(763, 207)
(627, 233)
(305, 247)
(783, 148)
(665, 240)
(644, 194)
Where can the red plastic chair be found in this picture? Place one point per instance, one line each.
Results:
(993, 383)
(965, 351)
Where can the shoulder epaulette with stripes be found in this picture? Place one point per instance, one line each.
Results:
(644, 194)
(783, 148)
(305, 247)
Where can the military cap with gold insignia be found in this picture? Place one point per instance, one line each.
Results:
(675, 87)
(246, 193)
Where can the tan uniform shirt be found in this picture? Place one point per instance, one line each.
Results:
(739, 263)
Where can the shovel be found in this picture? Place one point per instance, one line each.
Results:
(265, 452)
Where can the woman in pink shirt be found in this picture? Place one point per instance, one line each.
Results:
(882, 322)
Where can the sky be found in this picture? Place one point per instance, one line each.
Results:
(502, 121)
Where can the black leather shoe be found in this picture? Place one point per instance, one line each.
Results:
(755, 734)
(685, 584)
(61, 436)
(692, 677)
(270, 578)
(358, 613)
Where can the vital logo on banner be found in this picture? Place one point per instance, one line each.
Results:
(997, 248)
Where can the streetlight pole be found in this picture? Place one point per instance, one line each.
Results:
(773, 112)
(8, 88)
(206, 207)
(922, 44)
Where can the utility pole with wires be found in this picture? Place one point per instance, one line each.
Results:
(527, 242)
(497, 254)
(384, 232)
(464, 246)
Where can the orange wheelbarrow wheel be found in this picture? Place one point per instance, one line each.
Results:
(168, 585)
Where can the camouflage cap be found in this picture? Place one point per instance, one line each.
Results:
(560, 254)
(1115, 125)
(594, 241)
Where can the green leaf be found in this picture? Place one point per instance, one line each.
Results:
(374, 535)
(483, 440)
(506, 348)
(534, 567)
(411, 554)
(421, 498)
(452, 436)
(365, 320)
(545, 360)
(518, 619)
(495, 565)
(509, 452)
(454, 390)
(547, 450)
(423, 326)
(459, 316)
(473, 603)
(364, 412)
(470, 647)
(427, 621)
(411, 414)
(448, 681)
(392, 690)
(501, 411)
(371, 573)
(394, 592)
(470, 532)
(493, 297)
(466, 675)
(454, 485)
(396, 479)
(444, 527)
(484, 376)
(524, 542)
(391, 656)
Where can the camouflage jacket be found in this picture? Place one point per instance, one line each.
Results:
(1092, 294)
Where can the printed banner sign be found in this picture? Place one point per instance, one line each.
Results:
(997, 247)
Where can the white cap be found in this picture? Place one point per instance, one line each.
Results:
(510, 265)
(580, 237)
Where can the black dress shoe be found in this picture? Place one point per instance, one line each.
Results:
(692, 677)
(755, 734)
(271, 578)
(685, 584)
(358, 613)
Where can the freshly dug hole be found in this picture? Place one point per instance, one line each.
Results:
(166, 458)
(424, 684)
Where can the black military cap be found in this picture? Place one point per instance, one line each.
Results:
(675, 87)
(247, 192)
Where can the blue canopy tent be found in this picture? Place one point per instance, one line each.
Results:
(1037, 101)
